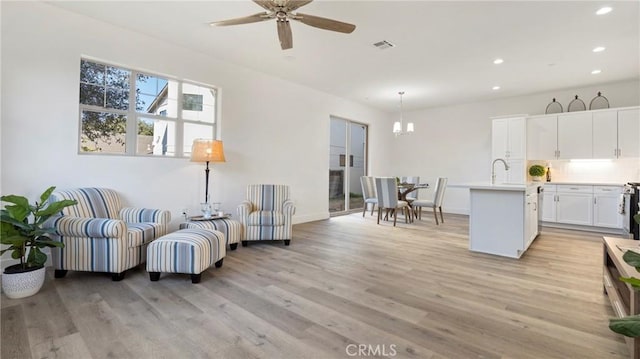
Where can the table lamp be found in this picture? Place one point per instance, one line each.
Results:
(207, 150)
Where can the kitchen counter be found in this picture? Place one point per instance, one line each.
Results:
(498, 186)
(585, 183)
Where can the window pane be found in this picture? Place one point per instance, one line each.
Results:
(198, 103)
(156, 137)
(103, 132)
(91, 72)
(118, 78)
(97, 80)
(193, 131)
(156, 95)
(117, 99)
(91, 95)
(192, 102)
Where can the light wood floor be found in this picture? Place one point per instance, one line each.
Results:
(414, 291)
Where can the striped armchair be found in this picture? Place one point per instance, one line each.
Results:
(267, 213)
(102, 236)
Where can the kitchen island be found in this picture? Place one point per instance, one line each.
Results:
(503, 219)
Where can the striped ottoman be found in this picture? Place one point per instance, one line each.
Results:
(231, 229)
(189, 251)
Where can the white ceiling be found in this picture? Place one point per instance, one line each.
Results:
(444, 49)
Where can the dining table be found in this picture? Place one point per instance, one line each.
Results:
(403, 190)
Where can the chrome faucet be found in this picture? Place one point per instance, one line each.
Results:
(493, 169)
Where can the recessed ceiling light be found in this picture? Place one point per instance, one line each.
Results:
(598, 49)
(603, 10)
(595, 72)
(494, 88)
(498, 61)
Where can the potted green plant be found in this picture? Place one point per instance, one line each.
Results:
(22, 229)
(536, 171)
(630, 325)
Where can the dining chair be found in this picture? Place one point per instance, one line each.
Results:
(436, 203)
(387, 193)
(368, 193)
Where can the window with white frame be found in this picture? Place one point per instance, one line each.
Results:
(135, 113)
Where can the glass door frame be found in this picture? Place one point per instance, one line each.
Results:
(347, 158)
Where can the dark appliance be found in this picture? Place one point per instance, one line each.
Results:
(540, 206)
(631, 194)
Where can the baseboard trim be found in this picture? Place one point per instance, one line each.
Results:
(615, 231)
(310, 217)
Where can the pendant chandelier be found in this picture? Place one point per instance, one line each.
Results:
(399, 125)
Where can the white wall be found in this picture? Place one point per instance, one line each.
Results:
(273, 131)
(455, 141)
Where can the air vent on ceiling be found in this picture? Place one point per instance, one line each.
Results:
(383, 45)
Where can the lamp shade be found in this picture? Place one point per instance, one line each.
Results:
(397, 127)
(207, 150)
(410, 127)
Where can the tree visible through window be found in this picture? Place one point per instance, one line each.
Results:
(164, 108)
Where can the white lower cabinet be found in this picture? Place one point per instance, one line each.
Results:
(531, 217)
(574, 208)
(584, 205)
(549, 203)
(606, 200)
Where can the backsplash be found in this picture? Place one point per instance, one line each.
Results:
(614, 171)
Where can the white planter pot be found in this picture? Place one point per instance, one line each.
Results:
(20, 285)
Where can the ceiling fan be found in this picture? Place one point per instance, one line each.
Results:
(283, 11)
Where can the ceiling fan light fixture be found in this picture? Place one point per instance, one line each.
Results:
(283, 11)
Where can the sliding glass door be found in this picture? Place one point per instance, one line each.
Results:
(347, 162)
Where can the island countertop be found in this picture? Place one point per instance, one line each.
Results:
(498, 186)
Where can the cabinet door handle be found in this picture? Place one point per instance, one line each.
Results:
(574, 188)
(615, 152)
(595, 200)
(619, 152)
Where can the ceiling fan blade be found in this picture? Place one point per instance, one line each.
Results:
(265, 4)
(324, 23)
(243, 20)
(284, 34)
(295, 4)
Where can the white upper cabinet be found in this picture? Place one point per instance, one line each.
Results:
(575, 135)
(508, 138)
(610, 133)
(629, 133)
(499, 138)
(508, 141)
(542, 137)
(517, 138)
(605, 134)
